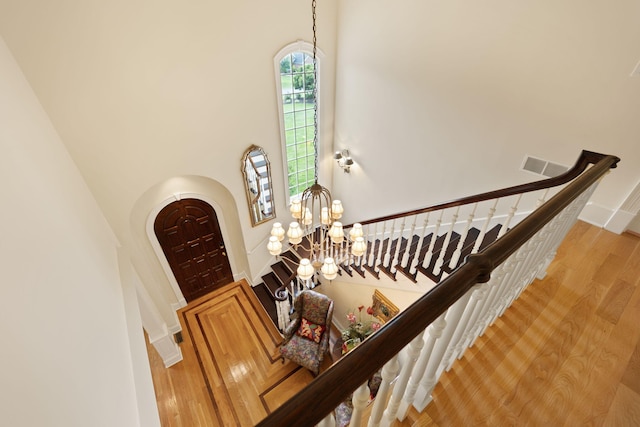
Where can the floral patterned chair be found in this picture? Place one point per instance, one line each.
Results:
(306, 338)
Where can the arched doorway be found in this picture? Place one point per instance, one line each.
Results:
(190, 237)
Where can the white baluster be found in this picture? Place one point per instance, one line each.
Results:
(394, 263)
(387, 255)
(389, 372)
(405, 257)
(463, 324)
(283, 308)
(423, 394)
(456, 254)
(542, 198)
(485, 226)
(501, 290)
(372, 258)
(359, 400)
(573, 210)
(416, 256)
(435, 332)
(389, 415)
(478, 298)
(432, 242)
(541, 246)
(344, 252)
(498, 281)
(518, 260)
(378, 261)
(328, 421)
(438, 266)
(362, 260)
(510, 215)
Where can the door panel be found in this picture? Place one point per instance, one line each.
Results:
(190, 237)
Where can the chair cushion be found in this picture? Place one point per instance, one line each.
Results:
(343, 413)
(315, 307)
(302, 351)
(310, 330)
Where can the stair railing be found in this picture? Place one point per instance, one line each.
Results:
(436, 329)
(412, 242)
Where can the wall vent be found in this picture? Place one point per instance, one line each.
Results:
(543, 167)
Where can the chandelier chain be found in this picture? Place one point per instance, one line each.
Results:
(316, 215)
(315, 93)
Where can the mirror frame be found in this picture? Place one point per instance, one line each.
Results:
(257, 183)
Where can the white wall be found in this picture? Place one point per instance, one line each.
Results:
(443, 99)
(145, 93)
(66, 359)
(348, 296)
(634, 226)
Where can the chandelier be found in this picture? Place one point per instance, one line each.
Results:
(316, 217)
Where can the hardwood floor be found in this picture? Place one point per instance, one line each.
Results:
(565, 353)
(232, 373)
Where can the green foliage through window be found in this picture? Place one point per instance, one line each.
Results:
(298, 102)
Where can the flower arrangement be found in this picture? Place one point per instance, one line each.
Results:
(358, 328)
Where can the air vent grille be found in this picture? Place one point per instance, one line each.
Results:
(543, 167)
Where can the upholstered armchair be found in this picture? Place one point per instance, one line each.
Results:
(306, 338)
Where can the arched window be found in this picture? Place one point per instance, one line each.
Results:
(295, 85)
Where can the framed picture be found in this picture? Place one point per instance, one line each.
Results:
(383, 309)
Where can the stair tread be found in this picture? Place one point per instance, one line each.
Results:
(285, 267)
(271, 283)
(282, 272)
(266, 299)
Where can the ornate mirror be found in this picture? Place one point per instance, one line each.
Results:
(257, 182)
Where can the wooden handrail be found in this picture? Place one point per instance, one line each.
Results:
(333, 386)
(584, 160)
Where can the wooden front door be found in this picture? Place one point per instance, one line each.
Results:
(190, 237)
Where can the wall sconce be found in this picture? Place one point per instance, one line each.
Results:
(344, 160)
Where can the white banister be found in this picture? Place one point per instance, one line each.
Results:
(389, 373)
(438, 266)
(394, 262)
(463, 237)
(359, 400)
(434, 333)
(405, 256)
(378, 261)
(510, 215)
(458, 328)
(450, 354)
(416, 257)
(282, 309)
(495, 297)
(372, 243)
(477, 299)
(430, 378)
(485, 226)
(389, 415)
(518, 260)
(432, 242)
(386, 261)
(328, 421)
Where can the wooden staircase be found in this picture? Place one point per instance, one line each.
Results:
(283, 270)
(440, 326)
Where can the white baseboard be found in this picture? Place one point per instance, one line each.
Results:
(619, 221)
(240, 276)
(616, 221)
(168, 350)
(173, 360)
(176, 327)
(595, 214)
